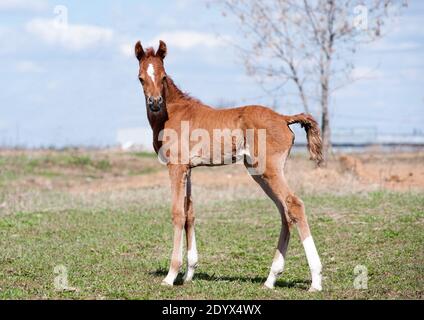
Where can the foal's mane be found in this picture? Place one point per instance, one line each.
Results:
(150, 52)
(179, 93)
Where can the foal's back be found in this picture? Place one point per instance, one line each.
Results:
(254, 116)
(200, 116)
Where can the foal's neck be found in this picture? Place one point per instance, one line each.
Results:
(174, 94)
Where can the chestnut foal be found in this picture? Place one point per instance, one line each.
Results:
(168, 107)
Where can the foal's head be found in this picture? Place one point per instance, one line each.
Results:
(152, 75)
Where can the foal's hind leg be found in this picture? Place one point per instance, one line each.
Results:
(292, 211)
(273, 184)
(297, 213)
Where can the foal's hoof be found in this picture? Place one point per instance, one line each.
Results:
(188, 277)
(268, 286)
(314, 289)
(166, 283)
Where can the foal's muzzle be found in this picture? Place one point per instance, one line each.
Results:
(155, 103)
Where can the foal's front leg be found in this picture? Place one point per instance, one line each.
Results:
(192, 256)
(178, 176)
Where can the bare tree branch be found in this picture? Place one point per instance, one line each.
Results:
(307, 45)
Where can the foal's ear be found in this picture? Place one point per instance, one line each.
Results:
(139, 51)
(161, 53)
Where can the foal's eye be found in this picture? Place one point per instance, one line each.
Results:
(164, 78)
(141, 80)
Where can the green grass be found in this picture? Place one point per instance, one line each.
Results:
(60, 164)
(124, 253)
(143, 171)
(145, 154)
(18, 166)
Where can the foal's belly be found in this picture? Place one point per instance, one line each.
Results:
(222, 160)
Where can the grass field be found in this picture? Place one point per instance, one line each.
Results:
(104, 221)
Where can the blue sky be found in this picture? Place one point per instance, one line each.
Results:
(80, 87)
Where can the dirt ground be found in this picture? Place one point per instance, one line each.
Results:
(361, 172)
(82, 171)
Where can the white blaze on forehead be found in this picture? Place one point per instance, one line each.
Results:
(151, 72)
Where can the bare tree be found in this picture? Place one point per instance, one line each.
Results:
(307, 45)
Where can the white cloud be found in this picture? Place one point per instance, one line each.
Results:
(186, 40)
(23, 5)
(183, 40)
(69, 36)
(127, 49)
(29, 67)
(366, 73)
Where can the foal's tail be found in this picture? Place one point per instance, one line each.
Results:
(312, 133)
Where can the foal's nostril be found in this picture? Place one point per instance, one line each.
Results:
(160, 100)
(150, 100)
